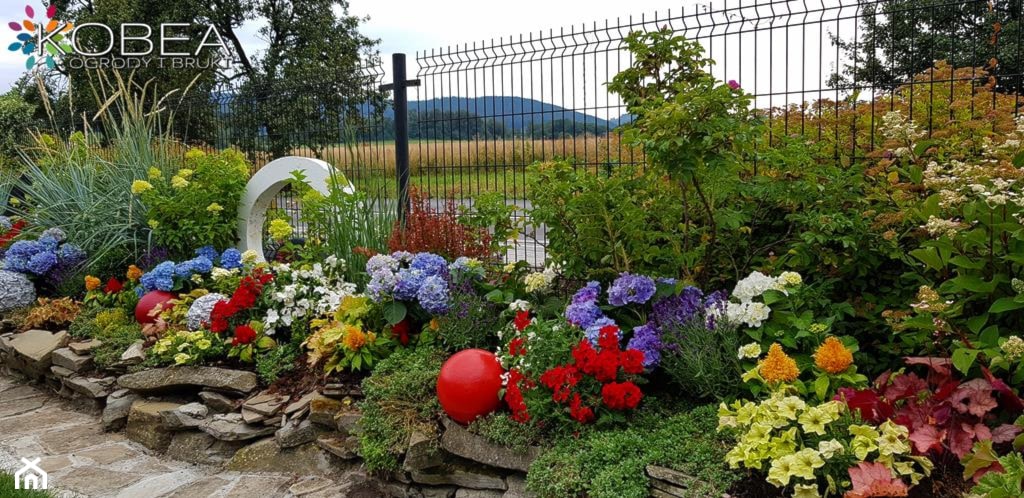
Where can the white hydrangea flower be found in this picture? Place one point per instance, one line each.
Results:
(751, 351)
(754, 285)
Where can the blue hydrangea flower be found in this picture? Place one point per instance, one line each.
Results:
(589, 292)
(202, 264)
(593, 332)
(54, 233)
(48, 242)
(583, 314)
(183, 269)
(19, 254)
(42, 262)
(381, 286)
(409, 283)
(402, 256)
(208, 252)
(160, 277)
(430, 264)
(70, 254)
(433, 295)
(647, 340)
(631, 289)
(381, 263)
(231, 259)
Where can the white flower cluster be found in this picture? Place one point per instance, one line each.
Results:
(897, 127)
(306, 292)
(541, 281)
(753, 313)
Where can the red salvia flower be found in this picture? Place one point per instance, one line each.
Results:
(517, 347)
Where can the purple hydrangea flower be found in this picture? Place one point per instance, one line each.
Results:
(647, 340)
(583, 314)
(381, 263)
(433, 295)
(381, 286)
(676, 310)
(589, 292)
(430, 264)
(631, 289)
(409, 283)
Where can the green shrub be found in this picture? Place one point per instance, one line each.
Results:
(15, 123)
(611, 464)
(116, 339)
(277, 362)
(500, 429)
(198, 205)
(626, 221)
(400, 396)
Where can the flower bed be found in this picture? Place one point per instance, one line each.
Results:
(744, 317)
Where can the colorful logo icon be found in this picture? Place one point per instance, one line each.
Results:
(42, 41)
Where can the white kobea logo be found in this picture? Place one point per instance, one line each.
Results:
(30, 476)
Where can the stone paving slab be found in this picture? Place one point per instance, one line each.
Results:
(83, 461)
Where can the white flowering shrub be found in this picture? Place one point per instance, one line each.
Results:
(305, 292)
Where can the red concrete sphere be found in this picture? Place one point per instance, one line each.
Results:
(468, 385)
(152, 300)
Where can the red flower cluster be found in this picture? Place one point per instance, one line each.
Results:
(244, 334)
(113, 286)
(243, 298)
(13, 233)
(522, 320)
(514, 395)
(603, 365)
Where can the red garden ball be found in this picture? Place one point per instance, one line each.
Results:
(150, 301)
(468, 385)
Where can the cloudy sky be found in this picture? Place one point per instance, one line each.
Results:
(408, 26)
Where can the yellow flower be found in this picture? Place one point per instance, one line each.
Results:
(194, 154)
(134, 273)
(91, 283)
(154, 173)
(14, 201)
(813, 421)
(181, 358)
(153, 224)
(864, 440)
(833, 357)
(179, 182)
(893, 440)
(203, 344)
(249, 257)
(214, 208)
(354, 339)
(781, 471)
(789, 406)
(140, 186)
(778, 366)
(185, 173)
(806, 491)
(280, 229)
(805, 462)
(830, 448)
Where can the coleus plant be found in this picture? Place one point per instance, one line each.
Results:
(943, 413)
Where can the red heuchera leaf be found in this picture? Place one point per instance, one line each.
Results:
(1009, 399)
(927, 438)
(874, 480)
(939, 369)
(1005, 433)
(871, 407)
(904, 387)
(974, 397)
(962, 437)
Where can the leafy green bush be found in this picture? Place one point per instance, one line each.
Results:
(198, 205)
(611, 464)
(400, 396)
(499, 428)
(278, 361)
(626, 221)
(15, 123)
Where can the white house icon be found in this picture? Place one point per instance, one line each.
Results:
(30, 476)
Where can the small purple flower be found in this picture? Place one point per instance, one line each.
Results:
(714, 305)
(647, 340)
(734, 84)
(631, 289)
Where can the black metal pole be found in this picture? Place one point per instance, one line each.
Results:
(401, 108)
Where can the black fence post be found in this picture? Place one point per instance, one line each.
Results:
(401, 108)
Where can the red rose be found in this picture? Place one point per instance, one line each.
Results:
(522, 320)
(113, 286)
(244, 334)
(621, 395)
(632, 361)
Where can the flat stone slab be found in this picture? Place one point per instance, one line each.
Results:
(85, 347)
(231, 427)
(145, 424)
(67, 358)
(172, 378)
(266, 404)
(459, 441)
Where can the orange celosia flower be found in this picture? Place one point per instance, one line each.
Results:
(778, 366)
(354, 338)
(92, 283)
(833, 357)
(134, 273)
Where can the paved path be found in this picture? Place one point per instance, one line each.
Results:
(84, 461)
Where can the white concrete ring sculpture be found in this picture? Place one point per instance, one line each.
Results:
(264, 186)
